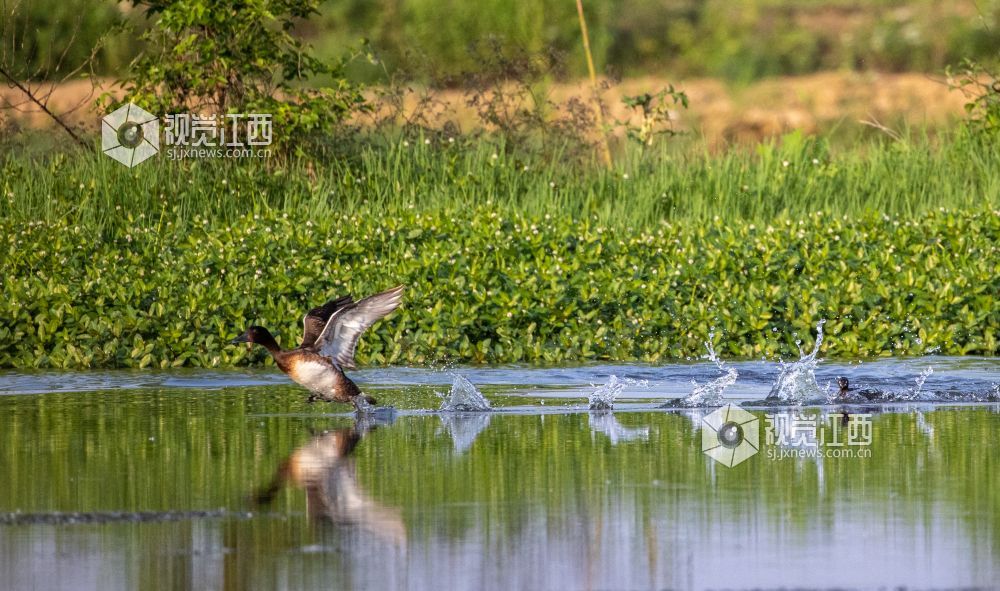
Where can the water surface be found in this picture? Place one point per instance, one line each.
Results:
(230, 480)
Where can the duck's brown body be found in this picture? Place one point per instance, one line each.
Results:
(319, 375)
(330, 335)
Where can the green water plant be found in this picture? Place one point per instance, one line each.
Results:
(510, 257)
(491, 287)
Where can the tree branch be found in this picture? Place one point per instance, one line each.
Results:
(41, 105)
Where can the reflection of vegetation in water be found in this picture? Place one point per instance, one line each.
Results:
(159, 451)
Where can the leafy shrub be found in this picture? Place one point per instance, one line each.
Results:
(655, 117)
(982, 87)
(239, 57)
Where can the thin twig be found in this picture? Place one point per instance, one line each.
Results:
(41, 105)
(873, 122)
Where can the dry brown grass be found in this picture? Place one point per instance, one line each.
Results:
(722, 114)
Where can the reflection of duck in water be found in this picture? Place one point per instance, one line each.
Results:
(846, 391)
(325, 469)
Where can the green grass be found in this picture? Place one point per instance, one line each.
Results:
(895, 245)
(793, 178)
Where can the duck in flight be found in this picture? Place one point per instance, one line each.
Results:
(329, 339)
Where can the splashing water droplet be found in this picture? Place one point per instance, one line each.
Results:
(464, 397)
(710, 394)
(603, 398)
(797, 381)
(917, 393)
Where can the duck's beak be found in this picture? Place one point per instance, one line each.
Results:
(243, 338)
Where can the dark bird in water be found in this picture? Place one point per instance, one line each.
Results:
(847, 392)
(844, 386)
(329, 339)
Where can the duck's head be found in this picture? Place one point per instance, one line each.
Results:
(256, 334)
(843, 383)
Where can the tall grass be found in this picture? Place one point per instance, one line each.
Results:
(794, 177)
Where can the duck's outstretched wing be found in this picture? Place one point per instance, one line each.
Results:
(315, 320)
(340, 337)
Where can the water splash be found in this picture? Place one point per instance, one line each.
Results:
(463, 397)
(606, 423)
(710, 394)
(603, 398)
(797, 381)
(362, 407)
(917, 393)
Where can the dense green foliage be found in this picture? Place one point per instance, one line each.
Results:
(238, 57)
(738, 41)
(160, 265)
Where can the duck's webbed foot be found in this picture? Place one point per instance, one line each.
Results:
(363, 404)
(313, 398)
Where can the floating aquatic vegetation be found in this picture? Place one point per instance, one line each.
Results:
(488, 285)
